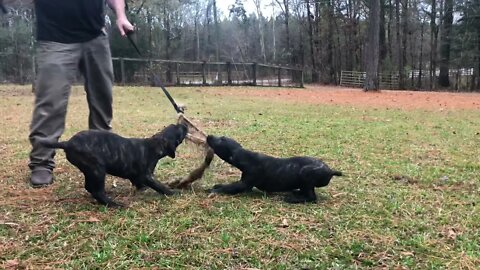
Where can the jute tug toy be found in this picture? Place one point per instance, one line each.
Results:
(194, 135)
(198, 137)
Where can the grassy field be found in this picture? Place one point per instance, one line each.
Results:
(409, 198)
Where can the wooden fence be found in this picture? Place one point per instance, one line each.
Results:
(136, 71)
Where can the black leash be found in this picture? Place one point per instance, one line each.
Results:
(156, 79)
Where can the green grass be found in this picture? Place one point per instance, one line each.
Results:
(409, 197)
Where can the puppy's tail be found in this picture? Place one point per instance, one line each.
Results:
(337, 173)
(52, 144)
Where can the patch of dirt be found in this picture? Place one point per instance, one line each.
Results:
(315, 94)
(15, 90)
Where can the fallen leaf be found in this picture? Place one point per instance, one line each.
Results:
(285, 223)
(451, 234)
(11, 264)
(338, 194)
(90, 219)
(10, 224)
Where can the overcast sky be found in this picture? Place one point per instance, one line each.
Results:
(248, 4)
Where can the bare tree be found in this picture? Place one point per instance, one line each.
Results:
(405, 31)
(258, 8)
(420, 64)
(400, 64)
(274, 39)
(330, 43)
(311, 38)
(433, 44)
(445, 42)
(197, 29)
(286, 11)
(217, 31)
(373, 44)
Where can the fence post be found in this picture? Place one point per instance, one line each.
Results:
(301, 79)
(169, 73)
(151, 81)
(20, 61)
(204, 73)
(177, 71)
(122, 70)
(229, 73)
(254, 75)
(279, 72)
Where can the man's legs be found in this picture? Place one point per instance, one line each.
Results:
(57, 65)
(96, 67)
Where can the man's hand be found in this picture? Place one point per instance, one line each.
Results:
(124, 26)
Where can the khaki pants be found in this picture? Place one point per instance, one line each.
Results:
(58, 64)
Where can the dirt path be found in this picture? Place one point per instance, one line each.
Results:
(383, 99)
(314, 94)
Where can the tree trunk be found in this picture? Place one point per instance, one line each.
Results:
(330, 45)
(150, 34)
(208, 36)
(353, 61)
(433, 44)
(373, 51)
(445, 42)
(274, 39)
(400, 64)
(217, 42)
(168, 43)
(287, 27)
(286, 13)
(217, 32)
(403, 77)
(420, 64)
(312, 43)
(317, 38)
(383, 45)
(389, 31)
(258, 7)
(197, 34)
(339, 56)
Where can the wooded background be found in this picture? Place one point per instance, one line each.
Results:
(426, 44)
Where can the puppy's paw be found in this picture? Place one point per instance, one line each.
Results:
(141, 188)
(217, 186)
(115, 205)
(214, 190)
(296, 193)
(295, 199)
(172, 192)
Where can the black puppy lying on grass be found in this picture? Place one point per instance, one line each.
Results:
(97, 153)
(297, 174)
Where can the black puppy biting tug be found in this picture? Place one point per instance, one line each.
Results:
(300, 175)
(97, 153)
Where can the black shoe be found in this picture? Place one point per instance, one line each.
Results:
(41, 178)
